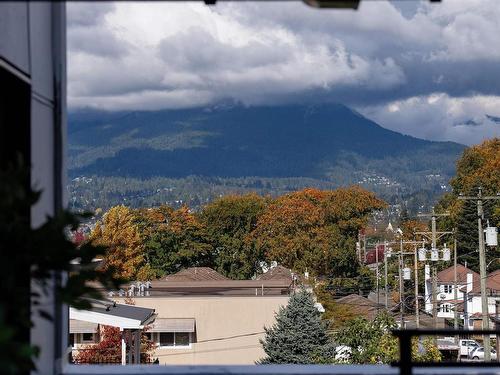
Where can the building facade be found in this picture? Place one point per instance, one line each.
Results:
(203, 318)
(468, 300)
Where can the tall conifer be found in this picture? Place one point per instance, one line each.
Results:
(299, 335)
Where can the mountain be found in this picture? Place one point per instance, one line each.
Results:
(325, 143)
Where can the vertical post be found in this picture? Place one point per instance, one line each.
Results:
(385, 276)
(482, 272)
(417, 315)
(378, 276)
(455, 291)
(401, 298)
(405, 362)
(433, 228)
(130, 352)
(124, 348)
(434, 297)
(434, 273)
(497, 327)
(137, 346)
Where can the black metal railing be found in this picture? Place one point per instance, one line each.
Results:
(406, 362)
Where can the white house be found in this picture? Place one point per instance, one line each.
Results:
(468, 282)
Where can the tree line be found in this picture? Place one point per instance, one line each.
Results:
(309, 230)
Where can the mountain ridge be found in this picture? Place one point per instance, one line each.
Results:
(204, 141)
(232, 148)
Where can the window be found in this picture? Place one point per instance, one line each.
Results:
(175, 339)
(72, 340)
(445, 308)
(182, 339)
(167, 339)
(87, 337)
(447, 288)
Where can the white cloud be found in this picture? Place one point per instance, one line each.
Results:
(167, 55)
(440, 117)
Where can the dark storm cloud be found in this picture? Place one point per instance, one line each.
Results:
(152, 56)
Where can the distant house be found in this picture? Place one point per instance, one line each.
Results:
(205, 318)
(277, 273)
(196, 274)
(470, 311)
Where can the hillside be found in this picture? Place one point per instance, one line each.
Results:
(328, 143)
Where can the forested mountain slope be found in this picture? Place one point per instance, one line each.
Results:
(328, 142)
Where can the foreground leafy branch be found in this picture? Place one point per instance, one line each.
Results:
(35, 262)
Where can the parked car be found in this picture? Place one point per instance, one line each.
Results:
(478, 354)
(467, 346)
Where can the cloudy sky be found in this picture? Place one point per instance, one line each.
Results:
(426, 69)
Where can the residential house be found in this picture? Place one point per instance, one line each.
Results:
(468, 282)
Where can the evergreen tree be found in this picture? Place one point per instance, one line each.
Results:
(467, 239)
(299, 335)
(467, 236)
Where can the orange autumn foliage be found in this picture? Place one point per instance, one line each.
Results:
(310, 229)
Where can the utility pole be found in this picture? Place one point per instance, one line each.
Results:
(400, 268)
(455, 291)
(385, 276)
(479, 198)
(415, 266)
(434, 298)
(400, 255)
(434, 236)
(378, 276)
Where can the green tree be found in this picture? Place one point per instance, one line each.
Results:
(478, 166)
(173, 240)
(369, 342)
(299, 335)
(229, 221)
(372, 342)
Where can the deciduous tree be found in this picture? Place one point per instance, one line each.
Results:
(108, 349)
(119, 232)
(174, 239)
(315, 230)
(372, 342)
(229, 221)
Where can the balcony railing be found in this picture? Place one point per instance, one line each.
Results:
(405, 366)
